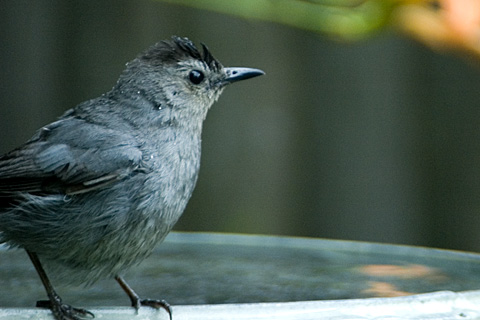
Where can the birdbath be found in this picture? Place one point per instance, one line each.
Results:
(227, 276)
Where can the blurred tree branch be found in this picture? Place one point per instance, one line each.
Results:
(345, 19)
(440, 24)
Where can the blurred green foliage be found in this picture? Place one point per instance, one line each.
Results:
(344, 19)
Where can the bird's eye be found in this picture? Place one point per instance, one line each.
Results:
(196, 76)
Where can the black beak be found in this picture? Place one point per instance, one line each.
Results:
(237, 74)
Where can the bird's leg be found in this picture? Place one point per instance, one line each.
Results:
(60, 310)
(137, 302)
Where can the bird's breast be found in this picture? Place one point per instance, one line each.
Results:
(172, 173)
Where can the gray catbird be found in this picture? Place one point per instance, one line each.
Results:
(92, 193)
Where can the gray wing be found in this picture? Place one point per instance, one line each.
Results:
(69, 156)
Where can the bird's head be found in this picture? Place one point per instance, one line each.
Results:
(178, 76)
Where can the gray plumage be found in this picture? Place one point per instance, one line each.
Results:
(95, 191)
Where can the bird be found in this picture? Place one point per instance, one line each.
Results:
(92, 193)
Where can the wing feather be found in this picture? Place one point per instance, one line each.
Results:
(69, 156)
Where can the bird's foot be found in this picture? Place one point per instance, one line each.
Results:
(62, 311)
(137, 302)
(153, 303)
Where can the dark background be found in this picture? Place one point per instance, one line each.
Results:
(377, 140)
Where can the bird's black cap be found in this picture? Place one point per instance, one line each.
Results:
(177, 49)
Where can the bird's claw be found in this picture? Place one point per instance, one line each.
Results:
(63, 311)
(156, 304)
